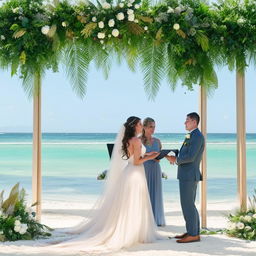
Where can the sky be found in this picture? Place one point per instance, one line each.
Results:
(108, 103)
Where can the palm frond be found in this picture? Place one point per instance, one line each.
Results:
(77, 59)
(152, 56)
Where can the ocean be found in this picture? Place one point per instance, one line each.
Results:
(72, 161)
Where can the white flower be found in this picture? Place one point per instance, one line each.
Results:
(129, 5)
(240, 225)
(45, 29)
(187, 136)
(101, 24)
(2, 37)
(101, 35)
(1, 232)
(120, 16)
(111, 23)
(121, 5)
(115, 32)
(29, 210)
(17, 228)
(241, 21)
(178, 10)
(23, 229)
(146, 28)
(170, 10)
(16, 10)
(136, 6)
(101, 41)
(231, 225)
(94, 19)
(130, 11)
(247, 218)
(176, 26)
(109, 35)
(17, 223)
(136, 21)
(247, 228)
(106, 5)
(254, 215)
(131, 1)
(131, 17)
(64, 24)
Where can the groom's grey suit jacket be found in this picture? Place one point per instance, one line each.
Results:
(190, 156)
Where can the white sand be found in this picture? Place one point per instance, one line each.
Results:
(67, 214)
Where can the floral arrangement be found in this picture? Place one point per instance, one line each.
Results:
(243, 223)
(173, 39)
(17, 221)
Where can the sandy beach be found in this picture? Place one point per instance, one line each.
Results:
(67, 214)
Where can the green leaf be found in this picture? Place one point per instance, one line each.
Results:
(135, 28)
(202, 40)
(88, 29)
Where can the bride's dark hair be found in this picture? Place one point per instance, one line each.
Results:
(129, 132)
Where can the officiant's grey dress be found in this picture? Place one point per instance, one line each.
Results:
(153, 175)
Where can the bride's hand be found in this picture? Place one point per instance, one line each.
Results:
(153, 155)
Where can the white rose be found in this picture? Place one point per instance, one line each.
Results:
(115, 32)
(136, 21)
(187, 136)
(254, 215)
(94, 19)
(101, 24)
(129, 5)
(177, 10)
(45, 29)
(64, 24)
(130, 11)
(248, 218)
(1, 232)
(120, 16)
(106, 5)
(17, 223)
(111, 23)
(101, 35)
(240, 21)
(176, 26)
(247, 228)
(17, 228)
(15, 10)
(131, 17)
(109, 35)
(101, 41)
(131, 1)
(136, 6)
(2, 37)
(240, 225)
(170, 10)
(121, 5)
(146, 28)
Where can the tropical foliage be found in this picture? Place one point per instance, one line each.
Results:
(243, 223)
(174, 39)
(17, 221)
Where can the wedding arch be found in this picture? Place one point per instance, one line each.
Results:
(177, 40)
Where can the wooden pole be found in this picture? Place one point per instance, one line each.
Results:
(203, 128)
(36, 173)
(241, 140)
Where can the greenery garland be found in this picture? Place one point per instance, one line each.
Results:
(173, 40)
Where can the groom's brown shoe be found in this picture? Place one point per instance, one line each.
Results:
(189, 239)
(181, 236)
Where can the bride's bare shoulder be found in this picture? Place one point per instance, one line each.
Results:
(135, 141)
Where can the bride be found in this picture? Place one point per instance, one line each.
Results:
(123, 215)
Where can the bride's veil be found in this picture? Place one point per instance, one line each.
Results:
(96, 217)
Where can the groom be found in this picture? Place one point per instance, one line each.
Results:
(188, 162)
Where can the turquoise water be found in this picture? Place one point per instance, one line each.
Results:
(71, 162)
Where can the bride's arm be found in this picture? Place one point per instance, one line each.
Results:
(138, 160)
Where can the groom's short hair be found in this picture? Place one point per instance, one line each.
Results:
(194, 116)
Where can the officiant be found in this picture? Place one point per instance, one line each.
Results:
(153, 171)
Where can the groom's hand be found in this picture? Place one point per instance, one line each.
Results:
(171, 159)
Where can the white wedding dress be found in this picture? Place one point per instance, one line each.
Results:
(122, 216)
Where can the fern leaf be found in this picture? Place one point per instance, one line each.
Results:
(87, 31)
(135, 28)
(19, 33)
(202, 40)
(23, 57)
(181, 33)
(145, 19)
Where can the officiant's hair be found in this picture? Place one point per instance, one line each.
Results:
(129, 132)
(194, 116)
